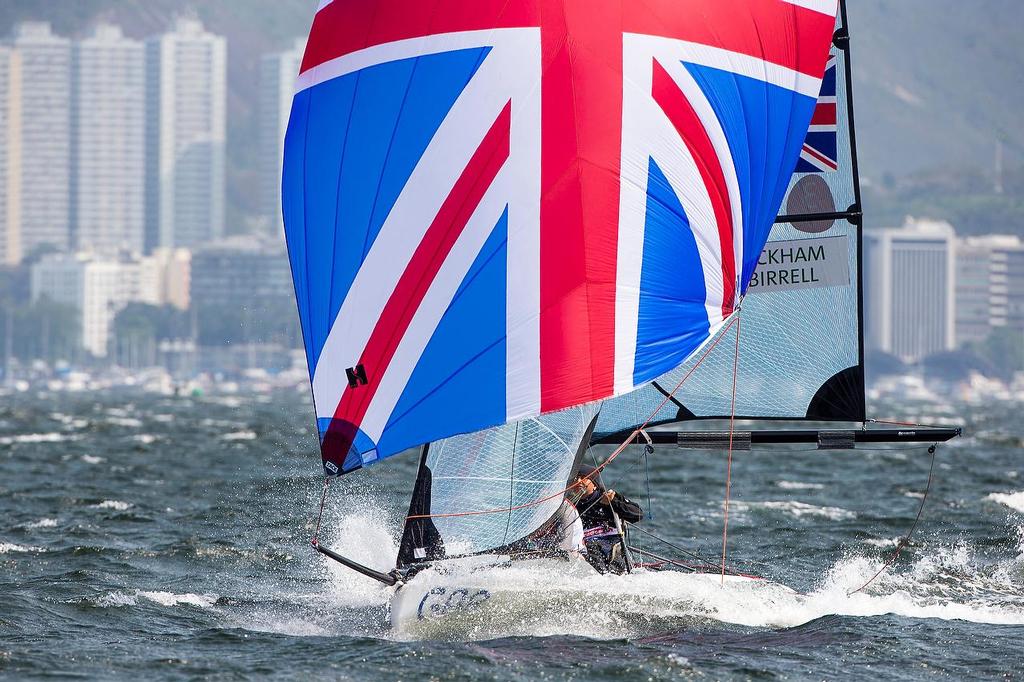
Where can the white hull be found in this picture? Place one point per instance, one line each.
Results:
(489, 597)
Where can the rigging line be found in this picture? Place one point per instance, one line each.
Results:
(705, 562)
(898, 423)
(616, 453)
(320, 516)
(732, 428)
(904, 541)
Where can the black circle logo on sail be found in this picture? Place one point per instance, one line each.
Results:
(811, 194)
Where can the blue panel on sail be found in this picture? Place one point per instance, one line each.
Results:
(672, 290)
(352, 144)
(472, 327)
(764, 125)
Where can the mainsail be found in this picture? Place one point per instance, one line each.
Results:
(498, 209)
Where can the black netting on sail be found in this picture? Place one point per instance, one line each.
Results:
(800, 349)
(511, 468)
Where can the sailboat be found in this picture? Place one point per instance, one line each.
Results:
(520, 229)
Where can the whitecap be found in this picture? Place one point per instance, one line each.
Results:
(882, 542)
(92, 459)
(37, 438)
(113, 504)
(201, 601)
(144, 438)
(42, 523)
(1014, 501)
(797, 485)
(116, 599)
(239, 435)
(6, 547)
(802, 509)
(127, 422)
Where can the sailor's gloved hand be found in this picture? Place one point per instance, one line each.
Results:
(608, 497)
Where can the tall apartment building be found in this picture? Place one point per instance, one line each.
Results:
(186, 91)
(278, 72)
(45, 135)
(989, 286)
(10, 156)
(108, 142)
(98, 288)
(910, 276)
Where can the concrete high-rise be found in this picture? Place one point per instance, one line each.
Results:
(186, 92)
(10, 156)
(278, 72)
(45, 118)
(108, 142)
(989, 286)
(910, 276)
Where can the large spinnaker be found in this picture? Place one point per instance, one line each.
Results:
(497, 209)
(801, 348)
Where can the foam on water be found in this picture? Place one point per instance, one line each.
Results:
(239, 435)
(949, 583)
(798, 485)
(113, 504)
(1014, 501)
(797, 509)
(37, 438)
(7, 547)
(123, 599)
(42, 523)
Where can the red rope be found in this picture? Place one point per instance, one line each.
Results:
(597, 470)
(732, 426)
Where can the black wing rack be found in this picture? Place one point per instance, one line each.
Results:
(825, 439)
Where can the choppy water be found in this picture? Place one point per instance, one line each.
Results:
(168, 537)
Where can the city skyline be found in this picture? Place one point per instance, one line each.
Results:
(145, 137)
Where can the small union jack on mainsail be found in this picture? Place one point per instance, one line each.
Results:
(820, 150)
(502, 208)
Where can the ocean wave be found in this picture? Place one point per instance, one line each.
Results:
(550, 600)
(1014, 501)
(7, 547)
(799, 509)
(123, 599)
(37, 438)
(113, 504)
(797, 485)
(239, 435)
(202, 601)
(882, 542)
(93, 459)
(126, 422)
(42, 523)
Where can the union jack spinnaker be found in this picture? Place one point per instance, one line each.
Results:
(499, 209)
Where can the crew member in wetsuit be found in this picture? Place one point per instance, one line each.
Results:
(598, 507)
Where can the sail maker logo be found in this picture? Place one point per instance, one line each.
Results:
(802, 264)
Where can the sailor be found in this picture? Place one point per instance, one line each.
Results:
(601, 511)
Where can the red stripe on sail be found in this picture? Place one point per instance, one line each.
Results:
(581, 120)
(821, 158)
(824, 114)
(419, 274)
(689, 126)
(760, 28)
